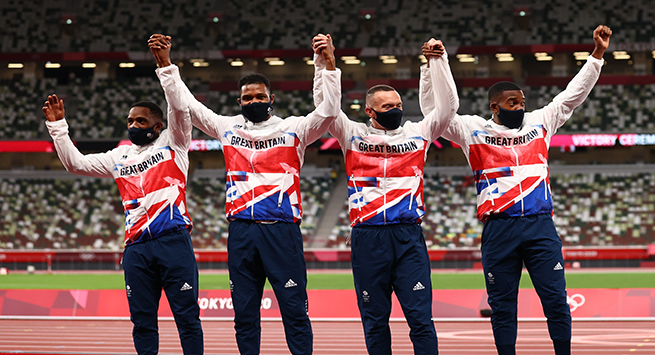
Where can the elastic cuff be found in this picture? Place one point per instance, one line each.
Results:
(562, 347)
(509, 349)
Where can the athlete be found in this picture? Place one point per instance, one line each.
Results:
(384, 162)
(151, 176)
(509, 158)
(263, 156)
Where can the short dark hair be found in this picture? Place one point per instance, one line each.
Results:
(377, 88)
(255, 78)
(498, 88)
(155, 110)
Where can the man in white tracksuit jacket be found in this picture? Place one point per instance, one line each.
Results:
(508, 155)
(384, 163)
(263, 157)
(151, 176)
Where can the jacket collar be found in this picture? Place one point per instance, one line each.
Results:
(274, 120)
(383, 132)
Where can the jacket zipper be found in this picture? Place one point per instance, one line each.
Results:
(228, 196)
(417, 182)
(520, 186)
(384, 190)
(279, 198)
(252, 190)
(493, 204)
(143, 191)
(358, 195)
(170, 205)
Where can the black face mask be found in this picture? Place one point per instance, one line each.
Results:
(511, 118)
(257, 111)
(390, 119)
(142, 136)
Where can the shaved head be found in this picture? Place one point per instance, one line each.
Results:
(370, 94)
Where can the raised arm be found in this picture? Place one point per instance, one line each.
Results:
(562, 106)
(339, 125)
(320, 42)
(327, 92)
(430, 49)
(444, 94)
(179, 120)
(96, 165)
(180, 95)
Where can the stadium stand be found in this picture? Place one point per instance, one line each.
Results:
(340, 234)
(569, 26)
(605, 209)
(74, 212)
(96, 107)
(21, 116)
(591, 209)
(94, 25)
(60, 214)
(609, 108)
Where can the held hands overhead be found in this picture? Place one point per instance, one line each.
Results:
(602, 36)
(160, 46)
(322, 45)
(433, 49)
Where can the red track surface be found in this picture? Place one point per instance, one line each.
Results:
(114, 337)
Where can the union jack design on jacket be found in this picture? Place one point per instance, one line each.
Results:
(385, 168)
(151, 178)
(263, 159)
(510, 166)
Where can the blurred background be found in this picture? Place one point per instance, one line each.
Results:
(94, 55)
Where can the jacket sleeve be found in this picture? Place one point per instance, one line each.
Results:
(201, 116)
(445, 101)
(339, 126)
(95, 165)
(561, 108)
(179, 119)
(317, 88)
(317, 122)
(426, 97)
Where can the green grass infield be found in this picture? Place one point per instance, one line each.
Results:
(322, 280)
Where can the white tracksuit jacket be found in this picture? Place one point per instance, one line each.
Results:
(151, 179)
(510, 166)
(263, 160)
(385, 168)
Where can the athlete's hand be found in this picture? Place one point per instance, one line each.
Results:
(319, 42)
(433, 49)
(322, 45)
(602, 36)
(53, 109)
(160, 46)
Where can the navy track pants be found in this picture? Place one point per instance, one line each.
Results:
(257, 251)
(393, 258)
(167, 262)
(507, 244)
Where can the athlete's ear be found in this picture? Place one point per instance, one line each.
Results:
(272, 98)
(369, 111)
(239, 101)
(159, 126)
(494, 107)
